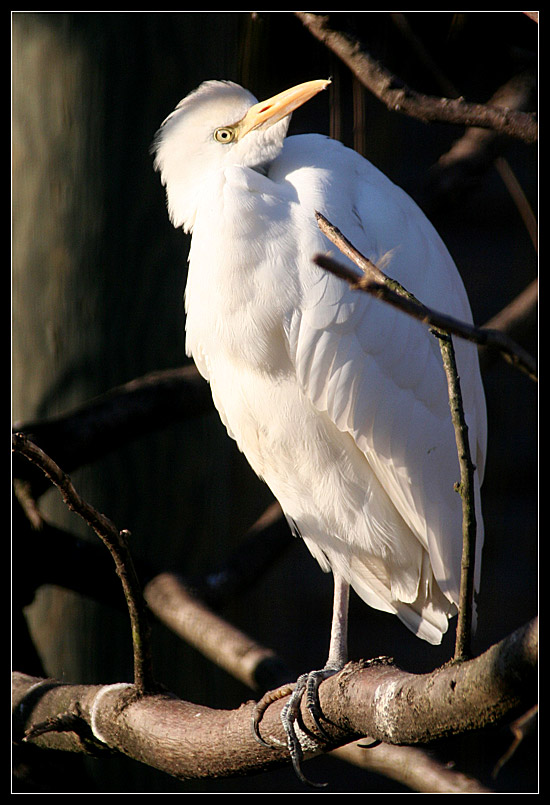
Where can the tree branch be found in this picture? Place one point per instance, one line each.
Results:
(399, 98)
(478, 149)
(69, 728)
(465, 488)
(169, 596)
(103, 424)
(373, 282)
(517, 320)
(228, 647)
(416, 768)
(117, 544)
(376, 699)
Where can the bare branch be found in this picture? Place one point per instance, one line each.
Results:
(482, 336)
(519, 198)
(255, 665)
(400, 98)
(105, 423)
(75, 728)
(478, 149)
(520, 314)
(411, 766)
(465, 488)
(517, 320)
(376, 699)
(116, 542)
(519, 728)
(229, 648)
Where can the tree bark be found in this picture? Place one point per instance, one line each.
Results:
(375, 698)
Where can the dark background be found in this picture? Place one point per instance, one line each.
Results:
(98, 278)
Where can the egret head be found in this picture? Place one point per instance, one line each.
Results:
(217, 125)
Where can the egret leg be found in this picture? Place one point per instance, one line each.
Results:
(308, 684)
(338, 649)
(337, 658)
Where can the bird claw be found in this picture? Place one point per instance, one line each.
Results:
(313, 704)
(308, 685)
(261, 706)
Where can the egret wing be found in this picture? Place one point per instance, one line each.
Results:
(377, 372)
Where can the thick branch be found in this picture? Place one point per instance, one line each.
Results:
(416, 768)
(136, 730)
(255, 665)
(93, 430)
(175, 605)
(376, 699)
(400, 98)
(415, 709)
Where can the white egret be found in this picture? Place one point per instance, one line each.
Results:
(338, 401)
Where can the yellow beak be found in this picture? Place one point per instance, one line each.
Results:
(279, 106)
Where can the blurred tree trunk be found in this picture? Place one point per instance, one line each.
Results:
(98, 277)
(58, 226)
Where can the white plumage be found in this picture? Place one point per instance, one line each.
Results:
(337, 400)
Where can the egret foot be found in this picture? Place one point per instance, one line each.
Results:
(308, 685)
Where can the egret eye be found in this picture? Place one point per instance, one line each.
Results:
(224, 135)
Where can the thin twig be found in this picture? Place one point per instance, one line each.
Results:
(116, 543)
(375, 283)
(465, 489)
(398, 97)
(374, 276)
(519, 198)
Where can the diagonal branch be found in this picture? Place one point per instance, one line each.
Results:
(116, 542)
(103, 424)
(400, 98)
(375, 283)
(186, 615)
